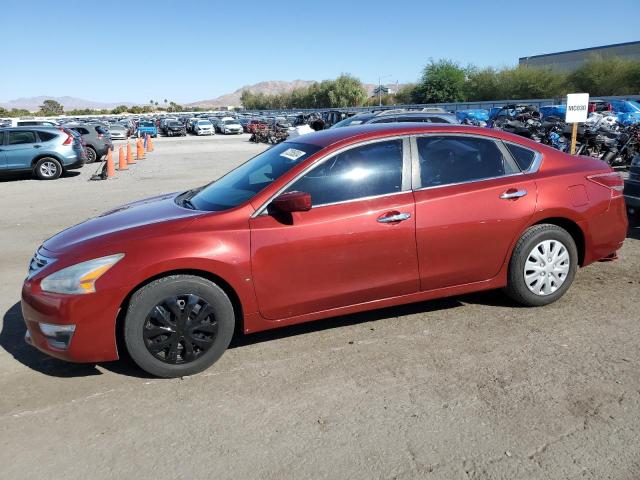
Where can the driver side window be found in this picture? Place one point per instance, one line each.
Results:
(366, 171)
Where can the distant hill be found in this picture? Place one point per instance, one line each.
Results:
(271, 87)
(69, 103)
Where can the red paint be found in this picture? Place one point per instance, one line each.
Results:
(333, 260)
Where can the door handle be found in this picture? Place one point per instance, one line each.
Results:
(512, 193)
(37, 146)
(393, 217)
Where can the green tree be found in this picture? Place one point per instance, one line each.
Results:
(51, 107)
(606, 76)
(119, 109)
(405, 94)
(441, 81)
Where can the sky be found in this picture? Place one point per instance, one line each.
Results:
(191, 50)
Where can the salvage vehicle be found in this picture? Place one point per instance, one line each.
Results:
(147, 127)
(46, 152)
(96, 139)
(230, 125)
(203, 127)
(174, 128)
(330, 223)
(118, 132)
(632, 191)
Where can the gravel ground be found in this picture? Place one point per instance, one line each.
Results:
(470, 387)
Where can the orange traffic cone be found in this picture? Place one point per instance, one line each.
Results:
(130, 160)
(139, 150)
(122, 161)
(111, 168)
(149, 145)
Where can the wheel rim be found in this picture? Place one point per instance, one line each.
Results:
(547, 267)
(180, 329)
(48, 169)
(91, 155)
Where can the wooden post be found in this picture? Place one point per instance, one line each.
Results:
(574, 136)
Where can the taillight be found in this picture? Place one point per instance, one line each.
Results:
(100, 135)
(611, 180)
(69, 140)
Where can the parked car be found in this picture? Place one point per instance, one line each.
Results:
(96, 139)
(203, 127)
(395, 117)
(118, 132)
(230, 125)
(46, 152)
(337, 222)
(147, 127)
(175, 129)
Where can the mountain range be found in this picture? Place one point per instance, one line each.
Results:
(269, 88)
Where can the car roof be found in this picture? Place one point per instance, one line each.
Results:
(324, 138)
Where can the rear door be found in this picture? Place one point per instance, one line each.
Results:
(472, 201)
(20, 149)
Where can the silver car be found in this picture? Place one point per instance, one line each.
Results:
(230, 126)
(118, 132)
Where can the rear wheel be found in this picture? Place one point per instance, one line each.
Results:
(92, 155)
(543, 265)
(48, 168)
(178, 325)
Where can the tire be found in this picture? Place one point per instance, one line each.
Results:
(92, 155)
(531, 257)
(48, 168)
(160, 342)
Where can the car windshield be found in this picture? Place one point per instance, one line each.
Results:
(230, 122)
(204, 122)
(175, 124)
(243, 183)
(147, 124)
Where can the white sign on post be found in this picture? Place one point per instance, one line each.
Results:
(577, 107)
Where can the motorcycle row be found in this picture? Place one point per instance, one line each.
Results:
(601, 136)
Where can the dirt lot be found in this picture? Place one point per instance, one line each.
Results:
(464, 388)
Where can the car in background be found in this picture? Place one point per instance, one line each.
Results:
(203, 127)
(118, 132)
(255, 124)
(230, 125)
(397, 117)
(147, 127)
(174, 128)
(46, 152)
(96, 139)
(35, 123)
(334, 222)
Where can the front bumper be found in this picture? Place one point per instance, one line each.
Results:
(94, 316)
(78, 163)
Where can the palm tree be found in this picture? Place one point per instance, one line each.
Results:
(165, 100)
(151, 102)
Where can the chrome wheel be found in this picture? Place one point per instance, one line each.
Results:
(180, 329)
(48, 169)
(547, 267)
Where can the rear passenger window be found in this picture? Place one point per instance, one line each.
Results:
(46, 136)
(1, 138)
(365, 171)
(523, 156)
(446, 160)
(17, 138)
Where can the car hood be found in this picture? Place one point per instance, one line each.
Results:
(134, 218)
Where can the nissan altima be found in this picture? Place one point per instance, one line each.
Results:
(327, 224)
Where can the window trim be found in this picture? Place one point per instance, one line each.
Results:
(407, 166)
(535, 163)
(35, 137)
(417, 179)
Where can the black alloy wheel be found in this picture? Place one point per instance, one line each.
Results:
(180, 329)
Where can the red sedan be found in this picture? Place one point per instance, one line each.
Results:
(330, 223)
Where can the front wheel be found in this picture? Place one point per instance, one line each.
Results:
(543, 265)
(178, 325)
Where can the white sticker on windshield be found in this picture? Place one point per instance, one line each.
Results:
(292, 153)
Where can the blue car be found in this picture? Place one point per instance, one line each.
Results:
(147, 127)
(46, 152)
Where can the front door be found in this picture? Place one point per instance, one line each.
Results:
(356, 244)
(472, 203)
(20, 149)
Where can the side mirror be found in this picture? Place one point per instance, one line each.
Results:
(292, 202)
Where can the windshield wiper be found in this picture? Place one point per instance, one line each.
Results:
(188, 203)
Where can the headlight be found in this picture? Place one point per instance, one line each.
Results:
(79, 278)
